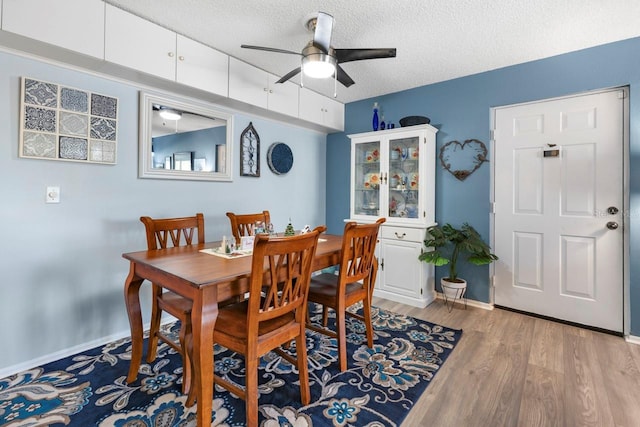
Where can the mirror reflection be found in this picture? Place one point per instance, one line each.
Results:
(182, 139)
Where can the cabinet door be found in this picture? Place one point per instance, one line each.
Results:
(77, 25)
(319, 109)
(283, 97)
(248, 83)
(334, 114)
(365, 179)
(311, 106)
(202, 67)
(402, 273)
(403, 152)
(137, 43)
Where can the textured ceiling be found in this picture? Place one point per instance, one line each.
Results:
(436, 40)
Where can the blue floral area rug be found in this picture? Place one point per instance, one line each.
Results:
(379, 388)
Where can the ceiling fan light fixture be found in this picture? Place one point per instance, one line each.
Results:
(170, 114)
(318, 65)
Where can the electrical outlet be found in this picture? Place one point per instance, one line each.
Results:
(53, 195)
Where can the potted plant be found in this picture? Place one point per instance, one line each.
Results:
(448, 244)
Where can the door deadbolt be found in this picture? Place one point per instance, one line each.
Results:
(612, 210)
(611, 225)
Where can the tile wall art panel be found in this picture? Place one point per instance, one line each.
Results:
(65, 123)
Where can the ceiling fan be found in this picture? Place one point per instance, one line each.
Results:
(320, 59)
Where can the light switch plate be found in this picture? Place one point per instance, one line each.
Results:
(53, 195)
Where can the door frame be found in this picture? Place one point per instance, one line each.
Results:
(626, 323)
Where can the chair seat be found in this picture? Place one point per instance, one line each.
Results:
(232, 321)
(175, 304)
(323, 288)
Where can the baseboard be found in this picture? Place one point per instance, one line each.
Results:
(632, 339)
(422, 302)
(52, 357)
(470, 302)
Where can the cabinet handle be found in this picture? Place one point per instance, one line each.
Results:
(181, 58)
(265, 89)
(384, 178)
(270, 91)
(170, 54)
(399, 236)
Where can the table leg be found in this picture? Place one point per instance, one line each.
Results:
(132, 302)
(203, 320)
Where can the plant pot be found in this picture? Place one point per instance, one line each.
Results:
(453, 290)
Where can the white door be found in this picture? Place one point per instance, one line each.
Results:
(558, 184)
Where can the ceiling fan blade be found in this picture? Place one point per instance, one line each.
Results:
(289, 75)
(269, 49)
(322, 34)
(348, 55)
(343, 77)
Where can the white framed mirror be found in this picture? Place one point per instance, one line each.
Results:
(184, 139)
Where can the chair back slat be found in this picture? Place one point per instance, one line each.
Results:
(280, 275)
(166, 232)
(242, 224)
(358, 251)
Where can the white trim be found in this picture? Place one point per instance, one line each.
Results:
(470, 302)
(632, 339)
(52, 357)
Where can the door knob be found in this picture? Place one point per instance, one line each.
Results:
(612, 210)
(611, 225)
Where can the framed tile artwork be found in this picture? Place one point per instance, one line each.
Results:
(64, 123)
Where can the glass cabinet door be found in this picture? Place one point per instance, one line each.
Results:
(367, 179)
(403, 177)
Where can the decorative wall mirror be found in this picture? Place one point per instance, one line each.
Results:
(184, 139)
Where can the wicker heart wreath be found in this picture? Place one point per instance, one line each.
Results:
(461, 160)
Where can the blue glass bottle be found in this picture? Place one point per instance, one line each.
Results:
(375, 116)
(382, 125)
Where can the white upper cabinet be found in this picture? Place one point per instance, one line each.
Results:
(283, 97)
(142, 45)
(77, 25)
(257, 87)
(320, 109)
(137, 43)
(200, 66)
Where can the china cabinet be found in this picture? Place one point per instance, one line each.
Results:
(393, 176)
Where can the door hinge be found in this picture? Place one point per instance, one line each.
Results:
(493, 134)
(382, 264)
(492, 207)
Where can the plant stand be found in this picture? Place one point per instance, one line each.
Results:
(452, 292)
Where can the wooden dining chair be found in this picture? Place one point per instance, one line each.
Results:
(354, 283)
(164, 233)
(242, 224)
(273, 315)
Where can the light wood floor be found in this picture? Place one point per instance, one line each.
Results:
(511, 369)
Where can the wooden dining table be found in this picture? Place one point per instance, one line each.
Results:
(205, 279)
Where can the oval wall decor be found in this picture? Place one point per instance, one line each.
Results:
(279, 158)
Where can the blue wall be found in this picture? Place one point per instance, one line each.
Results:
(460, 109)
